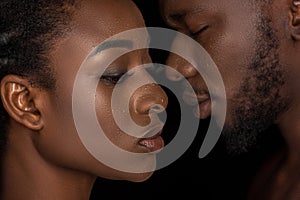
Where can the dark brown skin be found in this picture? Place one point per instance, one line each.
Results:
(45, 158)
(230, 39)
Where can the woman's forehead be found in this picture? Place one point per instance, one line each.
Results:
(102, 19)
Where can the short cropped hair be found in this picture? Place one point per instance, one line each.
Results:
(28, 30)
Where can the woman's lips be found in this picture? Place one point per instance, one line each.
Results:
(154, 143)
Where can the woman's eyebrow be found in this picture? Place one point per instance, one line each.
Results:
(128, 44)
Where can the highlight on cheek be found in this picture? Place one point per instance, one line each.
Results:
(83, 101)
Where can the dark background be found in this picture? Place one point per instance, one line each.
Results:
(217, 176)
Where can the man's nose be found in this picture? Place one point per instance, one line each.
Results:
(146, 100)
(181, 66)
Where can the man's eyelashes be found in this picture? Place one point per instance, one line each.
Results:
(200, 31)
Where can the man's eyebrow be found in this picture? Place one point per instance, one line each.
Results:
(197, 10)
(178, 15)
(128, 44)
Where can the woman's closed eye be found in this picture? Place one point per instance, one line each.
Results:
(113, 79)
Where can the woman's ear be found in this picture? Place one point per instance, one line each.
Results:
(19, 99)
(294, 19)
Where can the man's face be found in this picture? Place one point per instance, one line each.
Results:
(241, 39)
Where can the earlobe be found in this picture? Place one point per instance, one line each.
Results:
(295, 20)
(19, 101)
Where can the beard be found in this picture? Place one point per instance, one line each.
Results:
(258, 103)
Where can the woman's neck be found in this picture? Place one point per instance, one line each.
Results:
(26, 175)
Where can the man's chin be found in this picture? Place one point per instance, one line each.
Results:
(244, 142)
(239, 142)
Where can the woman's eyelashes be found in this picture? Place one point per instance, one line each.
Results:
(113, 78)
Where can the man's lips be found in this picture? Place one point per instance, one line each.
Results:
(153, 143)
(202, 99)
(204, 107)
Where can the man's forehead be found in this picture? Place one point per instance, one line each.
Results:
(177, 4)
(179, 8)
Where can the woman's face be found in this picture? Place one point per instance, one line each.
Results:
(59, 143)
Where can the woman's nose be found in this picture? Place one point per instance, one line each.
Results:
(181, 66)
(146, 100)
